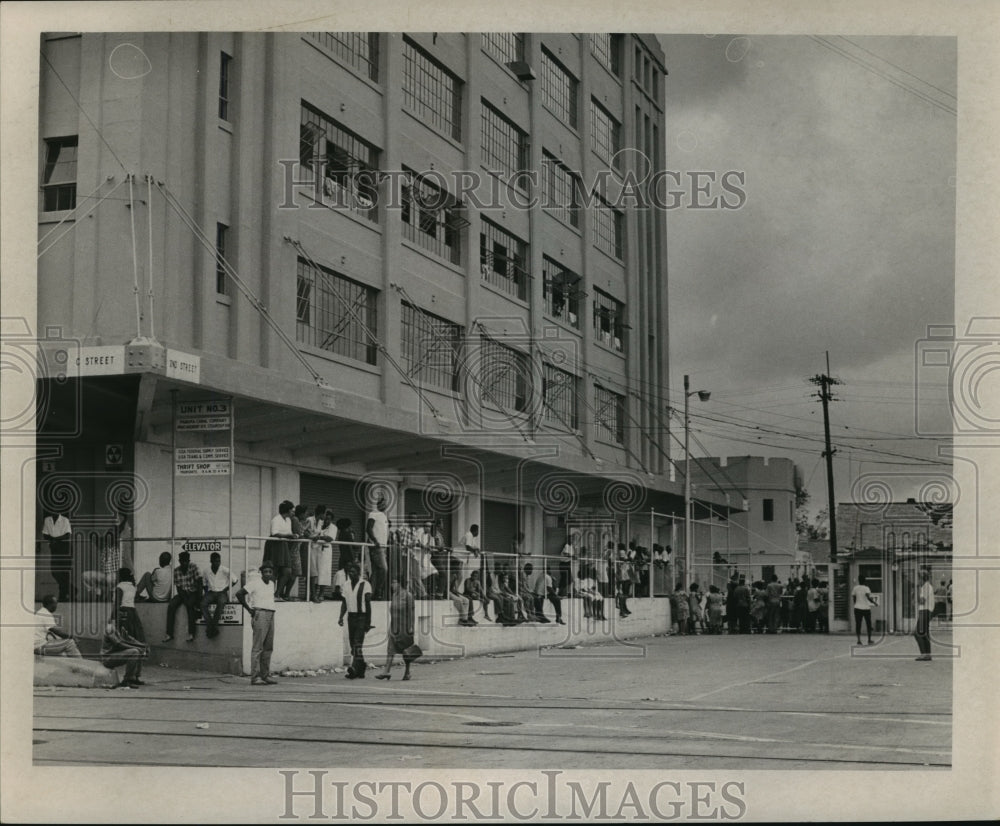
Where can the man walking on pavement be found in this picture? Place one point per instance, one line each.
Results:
(260, 592)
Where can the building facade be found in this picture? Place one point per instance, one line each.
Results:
(761, 538)
(390, 265)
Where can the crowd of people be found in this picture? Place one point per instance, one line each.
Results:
(798, 606)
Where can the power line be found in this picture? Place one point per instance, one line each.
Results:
(855, 59)
(899, 68)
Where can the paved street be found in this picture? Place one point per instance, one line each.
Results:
(792, 701)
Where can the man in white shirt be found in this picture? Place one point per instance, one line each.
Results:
(217, 582)
(465, 558)
(50, 639)
(357, 607)
(56, 529)
(925, 602)
(377, 533)
(863, 601)
(257, 597)
(159, 582)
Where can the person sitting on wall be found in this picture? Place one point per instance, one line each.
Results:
(217, 582)
(513, 601)
(50, 639)
(586, 587)
(118, 647)
(187, 592)
(473, 591)
(114, 555)
(462, 603)
(158, 583)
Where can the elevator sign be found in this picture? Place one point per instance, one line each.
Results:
(215, 415)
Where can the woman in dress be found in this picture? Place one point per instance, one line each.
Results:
(276, 548)
(402, 616)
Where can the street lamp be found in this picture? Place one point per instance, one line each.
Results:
(703, 395)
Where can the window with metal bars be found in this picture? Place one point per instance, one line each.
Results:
(504, 46)
(503, 376)
(605, 134)
(348, 164)
(336, 314)
(503, 260)
(431, 217)
(559, 90)
(431, 92)
(559, 401)
(608, 229)
(221, 245)
(609, 321)
(609, 408)
(431, 348)
(358, 50)
(59, 174)
(560, 196)
(225, 72)
(607, 48)
(561, 292)
(505, 147)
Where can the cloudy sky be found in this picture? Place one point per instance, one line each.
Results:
(846, 244)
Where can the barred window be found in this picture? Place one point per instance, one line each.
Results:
(59, 175)
(336, 314)
(348, 164)
(504, 376)
(610, 409)
(561, 292)
(605, 134)
(607, 48)
(559, 400)
(357, 49)
(503, 260)
(560, 195)
(559, 89)
(609, 229)
(504, 46)
(221, 244)
(505, 147)
(609, 321)
(431, 92)
(432, 217)
(225, 66)
(431, 347)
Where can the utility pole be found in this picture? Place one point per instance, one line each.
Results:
(825, 382)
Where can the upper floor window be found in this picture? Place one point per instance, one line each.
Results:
(348, 164)
(561, 292)
(432, 217)
(768, 510)
(605, 134)
(59, 174)
(357, 49)
(646, 73)
(431, 92)
(503, 259)
(610, 415)
(431, 348)
(609, 229)
(336, 314)
(506, 47)
(609, 321)
(503, 376)
(221, 246)
(225, 76)
(607, 48)
(559, 398)
(559, 90)
(560, 196)
(505, 147)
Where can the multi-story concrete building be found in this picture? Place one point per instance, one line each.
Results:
(392, 264)
(759, 538)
